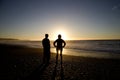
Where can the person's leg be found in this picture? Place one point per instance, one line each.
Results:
(48, 58)
(57, 55)
(48, 55)
(44, 56)
(61, 54)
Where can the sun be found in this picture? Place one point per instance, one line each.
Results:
(62, 33)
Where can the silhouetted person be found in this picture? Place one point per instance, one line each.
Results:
(59, 44)
(46, 49)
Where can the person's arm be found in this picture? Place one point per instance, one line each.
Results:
(49, 43)
(55, 43)
(64, 43)
(43, 42)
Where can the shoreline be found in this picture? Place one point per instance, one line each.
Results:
(93, 53)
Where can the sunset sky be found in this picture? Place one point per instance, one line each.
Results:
(74, 19)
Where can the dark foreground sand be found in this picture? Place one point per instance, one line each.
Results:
(23, 63)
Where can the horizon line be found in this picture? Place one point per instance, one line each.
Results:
(53, 40)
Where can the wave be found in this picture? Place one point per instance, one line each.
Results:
(97, 50)
(110, 46)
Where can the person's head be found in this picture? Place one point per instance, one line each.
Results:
(46, 35)
(59, 36)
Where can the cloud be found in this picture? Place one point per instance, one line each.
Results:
(116, 7)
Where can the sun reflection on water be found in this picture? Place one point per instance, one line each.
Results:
(92, 54)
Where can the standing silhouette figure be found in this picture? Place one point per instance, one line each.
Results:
(46, 49)
(59, 44)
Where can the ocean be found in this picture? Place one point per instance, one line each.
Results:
(85, 48)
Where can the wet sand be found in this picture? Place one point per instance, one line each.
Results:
(23, 63)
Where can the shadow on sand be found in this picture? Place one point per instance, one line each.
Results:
(58, 74)
(35, 75)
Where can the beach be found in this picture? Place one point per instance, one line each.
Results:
(25, 63)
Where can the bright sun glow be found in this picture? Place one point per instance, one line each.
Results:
(63, 34)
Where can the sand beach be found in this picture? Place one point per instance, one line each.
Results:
(24, 63)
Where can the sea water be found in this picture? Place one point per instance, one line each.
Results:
(85, 48)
